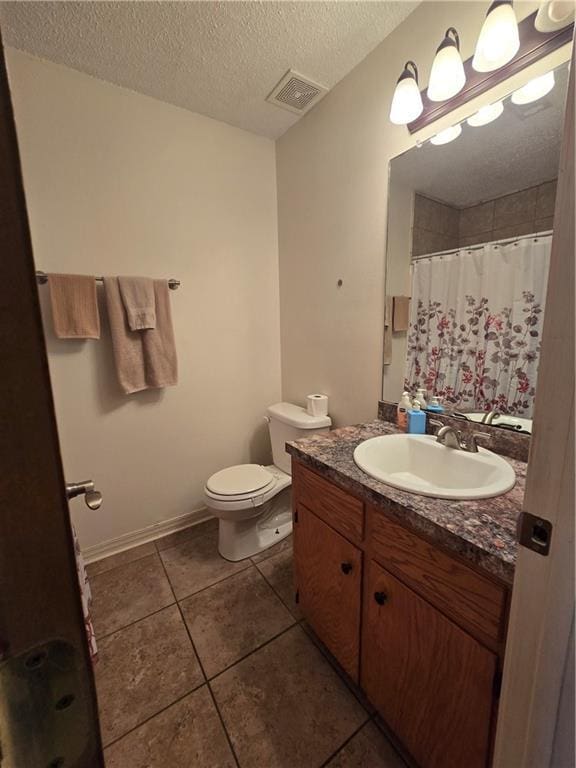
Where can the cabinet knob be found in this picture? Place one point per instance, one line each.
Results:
(346, 568)
(380, 597)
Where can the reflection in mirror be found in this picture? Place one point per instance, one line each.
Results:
(469, 237)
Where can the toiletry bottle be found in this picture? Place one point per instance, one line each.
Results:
(421, 397)
(416, 420)
(435, 406)
(402, 411)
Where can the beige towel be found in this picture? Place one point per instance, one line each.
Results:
(144, 359)
(138, 297)
(401, 313)
(74, 306)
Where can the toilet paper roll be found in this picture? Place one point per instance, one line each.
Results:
(317, 405)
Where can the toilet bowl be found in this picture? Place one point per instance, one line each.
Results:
(253, 502)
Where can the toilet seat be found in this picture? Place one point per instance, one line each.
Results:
(240, 480)
(248, 500)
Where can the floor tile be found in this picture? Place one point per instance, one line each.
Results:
(128, 593)
(142, 669)
(232, 618)
(196, 563)
(369, 748)
(189, 733)
(128, 556)
(282, 546)
(284, 707)
(278, 571)
(186, 534)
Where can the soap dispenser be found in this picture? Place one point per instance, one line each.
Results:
(416, 420)
(402, 412)
(435, 406)
(421, 397)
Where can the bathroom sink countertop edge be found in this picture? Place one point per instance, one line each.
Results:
(482, 531)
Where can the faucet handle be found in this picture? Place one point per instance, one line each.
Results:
(471, 445)
(435, 423)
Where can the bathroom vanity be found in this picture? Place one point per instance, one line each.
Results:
(410, 594)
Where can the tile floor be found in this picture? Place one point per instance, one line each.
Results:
(207, 663)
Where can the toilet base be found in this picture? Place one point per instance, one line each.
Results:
(239, 539)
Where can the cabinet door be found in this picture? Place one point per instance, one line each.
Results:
(328, 579)
(431, 681)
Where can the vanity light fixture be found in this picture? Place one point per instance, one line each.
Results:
(447, 77)
(486, 114)
(447, 135)
(407, 101)
(554, 14)
(534, 89)
(499, 40)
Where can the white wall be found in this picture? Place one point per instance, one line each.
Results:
(119, 183)
(332, 197)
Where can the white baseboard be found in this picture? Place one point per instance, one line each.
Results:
(144, 535)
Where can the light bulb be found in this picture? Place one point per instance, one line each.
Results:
(407, 101)
(446, 136)
(447, 77)
(486, 114)
(499, 40)
(534, 89)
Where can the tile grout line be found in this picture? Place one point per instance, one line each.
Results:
(156, 551)
(345, 743)
(254, 650)
(113, 568)
(151, 717)
(178, 698)
(352, 687)
(203, 671)
(131, 623)
(220, 581)
(277, 593)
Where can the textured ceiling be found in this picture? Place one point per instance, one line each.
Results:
(220, 59)
(518, 150)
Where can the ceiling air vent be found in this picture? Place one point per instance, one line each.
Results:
(296, 93)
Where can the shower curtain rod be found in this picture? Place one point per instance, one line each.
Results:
(42, 278)
(482, 245)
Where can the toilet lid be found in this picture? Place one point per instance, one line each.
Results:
(243, 478)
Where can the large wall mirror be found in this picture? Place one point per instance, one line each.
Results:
(469, 236)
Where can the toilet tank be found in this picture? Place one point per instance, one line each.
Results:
(291, 422)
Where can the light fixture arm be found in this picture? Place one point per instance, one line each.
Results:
(406, 72)
(447, 41)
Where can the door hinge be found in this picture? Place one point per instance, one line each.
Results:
(297, 597)
(534, 533)
(295, 515)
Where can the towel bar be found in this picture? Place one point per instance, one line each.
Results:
(42, 278)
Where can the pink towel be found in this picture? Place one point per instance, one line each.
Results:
(74, 306)
(144, 359)
(138, 297)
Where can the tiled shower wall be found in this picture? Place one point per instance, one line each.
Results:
(439, 227)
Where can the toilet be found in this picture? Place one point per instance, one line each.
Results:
(253, 502)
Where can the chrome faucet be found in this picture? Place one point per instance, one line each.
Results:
(488, 418)
(449, 437)
(452, 438)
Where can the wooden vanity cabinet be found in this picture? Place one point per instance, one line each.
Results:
(431, 681)
(419, 629)
(329, 572)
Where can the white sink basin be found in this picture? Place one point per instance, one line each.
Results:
(419, 464)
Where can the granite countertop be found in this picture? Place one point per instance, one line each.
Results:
(483, 531)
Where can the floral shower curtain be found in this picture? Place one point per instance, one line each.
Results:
(476, 323)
